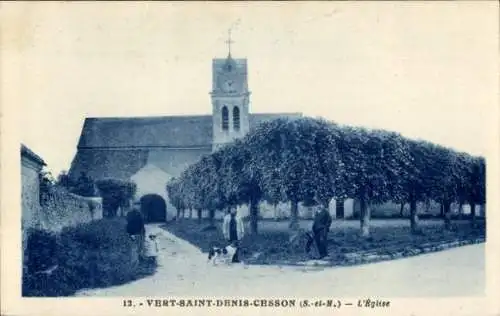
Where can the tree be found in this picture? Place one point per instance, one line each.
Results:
(241, 180)
(176, 199)
(115, 193)
(286, 154)
(443, 174)
(372, 162)
(192, 190)
(415, 179)
(208, 186)
(264, 145)
(64, 180)
(214, 197)
(84, 185)
(464, 165)
(477, 187)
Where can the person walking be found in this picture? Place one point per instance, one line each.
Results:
(137, 232)
(233, 230)
(320, 229)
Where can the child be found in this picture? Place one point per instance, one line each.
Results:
(151, 248)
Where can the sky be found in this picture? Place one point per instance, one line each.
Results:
(425, 70)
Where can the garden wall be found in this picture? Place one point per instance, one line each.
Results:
(282, 210)
(351, 209)
(63, 209)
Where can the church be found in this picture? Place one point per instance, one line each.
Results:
(152, 150)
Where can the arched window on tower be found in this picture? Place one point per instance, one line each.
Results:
(236, 118)
(225, 118)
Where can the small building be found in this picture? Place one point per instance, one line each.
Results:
(31, 166)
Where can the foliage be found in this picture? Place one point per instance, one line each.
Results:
(64, 180)
(47, 182)
(84, 185)
(115, 193)
(95, 254)
(41, 249)
(477, 178)
(312, 161)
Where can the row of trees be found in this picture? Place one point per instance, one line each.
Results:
(312, 161)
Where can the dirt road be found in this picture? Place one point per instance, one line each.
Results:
(183, 271)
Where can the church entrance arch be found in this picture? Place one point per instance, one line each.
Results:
(153, 208)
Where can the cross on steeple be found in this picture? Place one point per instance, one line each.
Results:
(229, 41)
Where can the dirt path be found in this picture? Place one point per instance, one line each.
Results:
(183, 271)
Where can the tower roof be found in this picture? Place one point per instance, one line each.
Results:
(229, 64)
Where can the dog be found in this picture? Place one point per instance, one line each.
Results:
(225, 255)
(302, 238)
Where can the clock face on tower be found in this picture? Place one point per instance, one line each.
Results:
(228, 86)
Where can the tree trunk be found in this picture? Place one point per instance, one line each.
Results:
(447, 215)
(211, 214)
(276, 215)
(199, 215)
(294, 215)
(113, 211)
(365, 211)
(339, 208)
(414, 217)
(190, 213)
(402, 209)
(178, 213)
(473, 214)
(442, 213)
(254, 216)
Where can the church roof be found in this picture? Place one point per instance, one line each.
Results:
(159, 131)
(120, 147)
(108, 163)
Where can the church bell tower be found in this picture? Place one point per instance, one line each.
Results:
(230, 99)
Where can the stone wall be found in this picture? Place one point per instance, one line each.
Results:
(432, 208)
(351, 208)
(53, 210)
(282, 210)
(63, 209)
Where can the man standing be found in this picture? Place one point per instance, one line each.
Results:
(233, 230)
(136, 231)
(321, 228)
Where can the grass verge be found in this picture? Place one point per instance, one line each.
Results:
(389, 240)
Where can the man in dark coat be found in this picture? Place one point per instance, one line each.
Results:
(137, 231)
(233, 230)
(321, 228)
